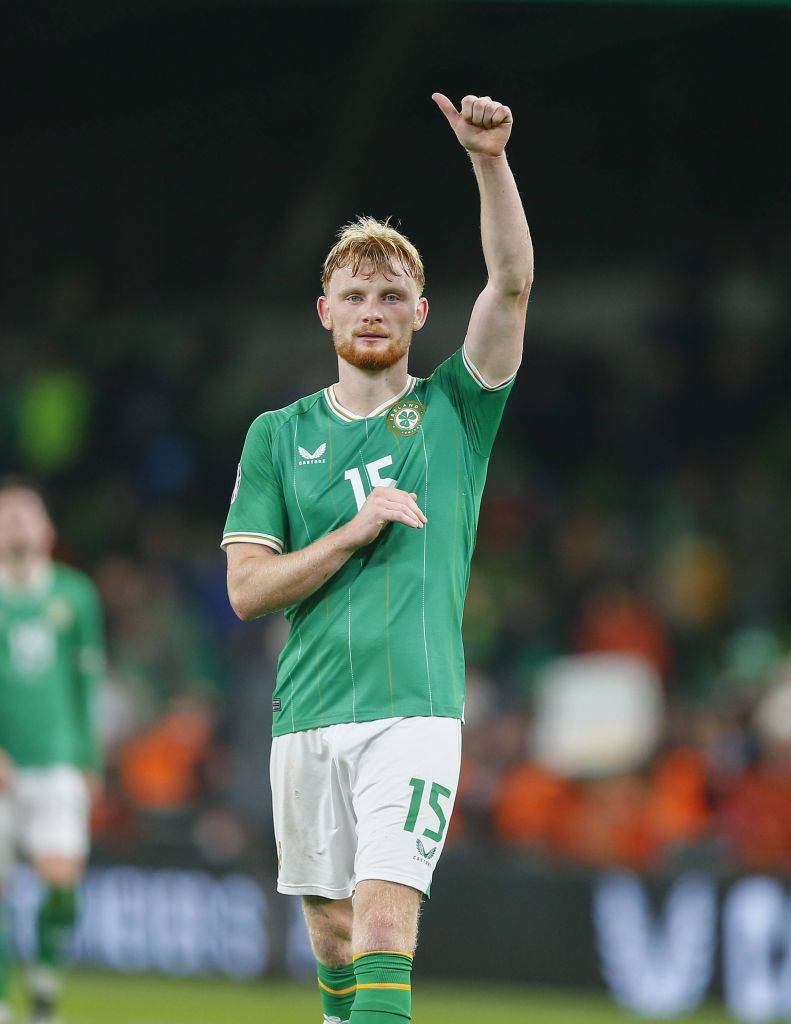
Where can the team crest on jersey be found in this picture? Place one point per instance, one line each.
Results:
(405, 417)
(60, 613)
(309, 458)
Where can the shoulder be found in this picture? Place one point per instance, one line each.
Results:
(68, 577)
(75, 584)
(443, 376)
(268, 424)
(458, 370)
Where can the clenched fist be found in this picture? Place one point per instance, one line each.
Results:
(483, 125)
(382, 506)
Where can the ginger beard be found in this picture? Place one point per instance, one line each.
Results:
(367, 355)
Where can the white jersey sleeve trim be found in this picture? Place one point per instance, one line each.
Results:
(252, 538)
(475, 373)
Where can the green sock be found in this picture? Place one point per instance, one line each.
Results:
(5, 954)
(55, 921)
(384, 988)
(337, 986)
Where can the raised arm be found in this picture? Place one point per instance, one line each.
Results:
(497, 325)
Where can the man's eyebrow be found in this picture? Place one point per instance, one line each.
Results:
(388, 286)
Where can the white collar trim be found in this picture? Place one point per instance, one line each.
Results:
(346, 414)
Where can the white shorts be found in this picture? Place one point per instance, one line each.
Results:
(45, 813)
(363, 800)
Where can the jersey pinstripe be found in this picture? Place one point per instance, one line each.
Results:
(382, 637)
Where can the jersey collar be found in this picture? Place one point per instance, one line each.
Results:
(37, 586)
(348, 416)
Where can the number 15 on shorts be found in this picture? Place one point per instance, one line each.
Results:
(418, 791)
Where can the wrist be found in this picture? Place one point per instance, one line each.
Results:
(345, 539)
(484, 159)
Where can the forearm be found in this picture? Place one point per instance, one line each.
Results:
(259, 585)
(507, 248)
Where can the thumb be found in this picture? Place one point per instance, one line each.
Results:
(446, 107)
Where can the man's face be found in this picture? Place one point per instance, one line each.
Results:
(26, 530)
(372, 319)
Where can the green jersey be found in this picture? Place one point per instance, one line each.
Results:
(51, 657)
(382, 637)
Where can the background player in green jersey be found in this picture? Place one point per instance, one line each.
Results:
(51, 657)
(355, 511)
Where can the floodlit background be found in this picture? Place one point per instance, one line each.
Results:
(172, 176)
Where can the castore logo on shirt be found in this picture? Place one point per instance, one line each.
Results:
(312, 458)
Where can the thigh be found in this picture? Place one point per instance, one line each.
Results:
(314, 824)
(404, 790)
(54, 809)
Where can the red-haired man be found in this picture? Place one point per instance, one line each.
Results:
(355, 511)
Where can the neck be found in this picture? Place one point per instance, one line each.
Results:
(24, 573)
(362, 391)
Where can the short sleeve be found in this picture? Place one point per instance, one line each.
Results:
(257, 514)
(479, 404)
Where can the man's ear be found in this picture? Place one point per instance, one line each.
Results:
(323, 309)
(421, 313)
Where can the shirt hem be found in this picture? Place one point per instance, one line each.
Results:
(345, 718)
(43, 763)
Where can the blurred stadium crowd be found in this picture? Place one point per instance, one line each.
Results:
(633, 549)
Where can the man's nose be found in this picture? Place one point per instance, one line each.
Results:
(371, 315)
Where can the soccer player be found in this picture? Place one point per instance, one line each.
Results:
(355, 511)
(51, 657)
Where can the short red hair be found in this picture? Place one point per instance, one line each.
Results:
(371, 241)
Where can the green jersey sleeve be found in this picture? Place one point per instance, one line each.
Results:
(89, 672)
(479, 405)
(258, 513)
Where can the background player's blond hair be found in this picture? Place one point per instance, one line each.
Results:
(374, 242)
